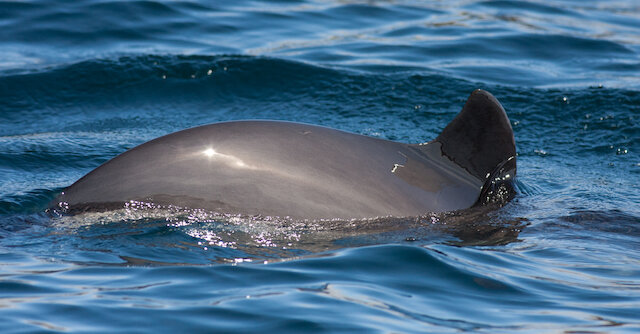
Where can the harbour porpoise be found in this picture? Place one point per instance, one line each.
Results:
(301, 171)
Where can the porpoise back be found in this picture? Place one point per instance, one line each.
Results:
(303, 171)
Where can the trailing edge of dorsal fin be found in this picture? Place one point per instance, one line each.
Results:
(480, 139)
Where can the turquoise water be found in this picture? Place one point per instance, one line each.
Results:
(81, 82)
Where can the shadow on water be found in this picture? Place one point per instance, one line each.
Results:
(150, 235)
(593, 224)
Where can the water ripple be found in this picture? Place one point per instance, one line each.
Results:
(83, 81)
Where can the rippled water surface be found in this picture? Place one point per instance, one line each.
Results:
(82, 81)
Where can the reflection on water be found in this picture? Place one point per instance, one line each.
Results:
(233, 238)
(81, 82)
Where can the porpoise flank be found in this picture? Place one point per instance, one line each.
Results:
(301, 171)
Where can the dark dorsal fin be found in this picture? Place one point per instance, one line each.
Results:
(480, 138)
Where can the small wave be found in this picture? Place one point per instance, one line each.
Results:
(614, 221)
(228, 238)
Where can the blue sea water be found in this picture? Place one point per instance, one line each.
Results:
(82, 81)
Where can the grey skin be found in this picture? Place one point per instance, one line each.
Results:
(302, 171)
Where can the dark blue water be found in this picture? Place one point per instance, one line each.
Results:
(82, 81)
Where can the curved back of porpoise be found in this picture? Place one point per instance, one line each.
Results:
(303, 171)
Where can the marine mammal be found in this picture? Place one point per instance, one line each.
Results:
(303, 171)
